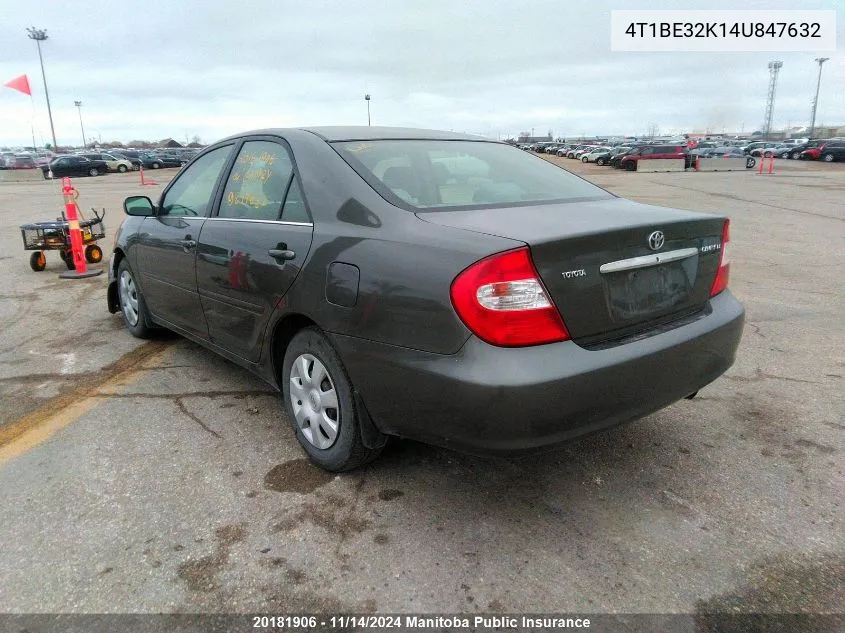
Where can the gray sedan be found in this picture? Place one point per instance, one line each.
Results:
(428, 285)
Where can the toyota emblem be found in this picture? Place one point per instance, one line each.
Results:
(656, 240)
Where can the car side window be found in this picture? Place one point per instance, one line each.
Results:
(295, 209)
(191, 194)
(647, 151)
(255, 189)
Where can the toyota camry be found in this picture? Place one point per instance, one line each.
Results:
(428, 285)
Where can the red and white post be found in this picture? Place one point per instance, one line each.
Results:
(77, 246)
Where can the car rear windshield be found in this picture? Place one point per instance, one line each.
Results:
(437, 174)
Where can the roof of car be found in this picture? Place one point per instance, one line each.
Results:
(370, 133)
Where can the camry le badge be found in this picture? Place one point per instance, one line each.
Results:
(656, 240)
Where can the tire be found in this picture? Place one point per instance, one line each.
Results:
(584, 159)
(46, 177)
(121, 169)
(631, 165)
(828, 158)
(93, 172)
(68, 260)
(37, 261)
(155, 165)
(131, 300)
(600, 162)
(334, 445)
(93, 254)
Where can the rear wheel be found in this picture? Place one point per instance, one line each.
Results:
(828, 158)
(68, 259)
(93, 172)
(155, 165)
(93, 254)
(37, 261)
(318, 398)
(631, 165)
(132, 302)
(121, 169)
(600, 162)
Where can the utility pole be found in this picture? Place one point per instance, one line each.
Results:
(78, 105)
(774, 69)
(367, 99)
(819, 61)
(40, 35)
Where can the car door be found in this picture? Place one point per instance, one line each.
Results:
(165, 253)
(253, 248)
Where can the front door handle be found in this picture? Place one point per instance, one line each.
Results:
(281, 255)
(188, 244)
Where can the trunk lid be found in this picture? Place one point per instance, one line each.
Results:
(596, 262)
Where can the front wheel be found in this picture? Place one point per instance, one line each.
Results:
(132, 302)
(600, 162)
(318, 399)
(584, 159)
(631, 165)
(93, 254)
(121, 169)
(155, 165)
(37, 261)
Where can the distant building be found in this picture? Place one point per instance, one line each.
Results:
(169, 143)
(534, 139)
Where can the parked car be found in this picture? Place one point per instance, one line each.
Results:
(154, 161)
(655, 152)
(591, 155)
(74, 166)
(622, 152)
(132, 157)
(22, 161)
(113, 163)
(603, 158)
(506, 313)
(777, 151)
(832, 151)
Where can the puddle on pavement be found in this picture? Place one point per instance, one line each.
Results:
(298, 475)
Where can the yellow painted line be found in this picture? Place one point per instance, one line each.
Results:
(58, 412)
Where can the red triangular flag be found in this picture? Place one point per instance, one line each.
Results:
(20, 84)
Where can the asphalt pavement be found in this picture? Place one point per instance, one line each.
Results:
(157, 477)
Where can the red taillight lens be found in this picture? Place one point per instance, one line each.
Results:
(721, 281)
(502, 301)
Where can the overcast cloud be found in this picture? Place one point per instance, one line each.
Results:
(158, 69)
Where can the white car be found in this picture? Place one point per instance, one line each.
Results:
(591, 155)
(583, 151)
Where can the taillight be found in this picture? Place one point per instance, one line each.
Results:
(721, 281)
(502, 301)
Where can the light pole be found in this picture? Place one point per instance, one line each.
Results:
(367, 99)
(78, 105)
(40, 35)
(820, 61)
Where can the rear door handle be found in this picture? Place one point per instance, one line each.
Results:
(188, 244)
(281, 255)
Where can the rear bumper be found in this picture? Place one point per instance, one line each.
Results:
(487, 399)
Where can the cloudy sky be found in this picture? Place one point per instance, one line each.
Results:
(166, 68)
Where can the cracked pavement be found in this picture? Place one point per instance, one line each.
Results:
(158, 477)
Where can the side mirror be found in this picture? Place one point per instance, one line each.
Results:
(138, 205)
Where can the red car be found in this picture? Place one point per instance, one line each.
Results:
(653, 152)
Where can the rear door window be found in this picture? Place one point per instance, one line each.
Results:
(258, 182)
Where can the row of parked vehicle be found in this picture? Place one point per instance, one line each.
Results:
(122, 160)
(620, 156)
(827, 150)
(95, 163)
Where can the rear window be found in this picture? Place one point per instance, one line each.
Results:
(429, 174)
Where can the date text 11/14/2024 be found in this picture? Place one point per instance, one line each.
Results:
(418, 622)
